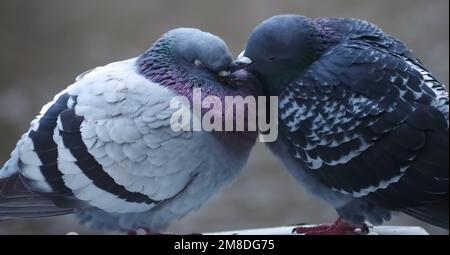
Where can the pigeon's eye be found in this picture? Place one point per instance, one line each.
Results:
(199, 63)
(272, 59)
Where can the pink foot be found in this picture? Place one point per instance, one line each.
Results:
(340, 227)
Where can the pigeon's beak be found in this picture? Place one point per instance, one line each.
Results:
(224, 73)
(241, 62)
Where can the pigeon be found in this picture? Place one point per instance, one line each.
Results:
(363, 124)
(105, 150)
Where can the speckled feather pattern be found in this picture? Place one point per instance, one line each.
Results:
(104, 149)
(365, 126)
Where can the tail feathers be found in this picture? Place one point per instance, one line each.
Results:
(435, 213)
(16, 201)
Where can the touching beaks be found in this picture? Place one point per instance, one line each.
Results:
(241, 62)
(244, 60)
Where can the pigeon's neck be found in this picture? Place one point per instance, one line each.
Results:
(161, 65)
(278, 83)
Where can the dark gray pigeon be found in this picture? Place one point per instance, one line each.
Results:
(104, 148)
(363, 123)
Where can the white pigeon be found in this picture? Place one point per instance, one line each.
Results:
(104, 148)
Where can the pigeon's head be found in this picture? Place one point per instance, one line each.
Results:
(186, 58)
(279, 47)
(202, 51)
(198, 52)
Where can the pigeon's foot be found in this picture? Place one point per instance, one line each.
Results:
(340, 227)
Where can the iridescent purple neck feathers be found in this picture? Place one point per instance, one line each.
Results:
(158, 64)
(162, 65)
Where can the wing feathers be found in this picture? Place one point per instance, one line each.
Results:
(16, 201)
(382, 133)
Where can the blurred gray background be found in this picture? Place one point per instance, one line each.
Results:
(46, 44)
